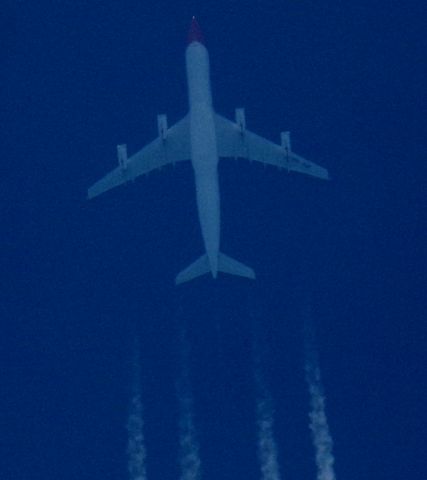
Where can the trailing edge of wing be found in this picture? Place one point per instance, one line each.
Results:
(174, 148)
(231, 142)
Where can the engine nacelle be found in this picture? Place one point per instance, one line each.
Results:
(240, 119)
(162, 125)
(122, 156)
(286, 142)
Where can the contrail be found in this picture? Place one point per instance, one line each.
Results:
(322, 439)
(135, 425)
(189, 448)
(267, 447)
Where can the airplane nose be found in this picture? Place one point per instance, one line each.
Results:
(195, 34)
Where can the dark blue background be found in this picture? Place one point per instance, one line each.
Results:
(81, 279)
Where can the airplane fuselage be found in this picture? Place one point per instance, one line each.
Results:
(202, 136)
(204, 155)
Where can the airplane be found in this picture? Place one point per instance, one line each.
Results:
(203, 137)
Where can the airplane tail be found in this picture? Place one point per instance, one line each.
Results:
(225, 264)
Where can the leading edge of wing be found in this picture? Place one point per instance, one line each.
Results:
(175, 147)
(233, 143)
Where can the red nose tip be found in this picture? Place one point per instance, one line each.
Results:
(195, 34)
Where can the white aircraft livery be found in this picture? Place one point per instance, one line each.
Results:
(203, 137)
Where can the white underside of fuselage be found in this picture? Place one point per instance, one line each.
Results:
(204, 155)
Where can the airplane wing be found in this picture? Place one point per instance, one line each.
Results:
(172, 145)
(234, 140)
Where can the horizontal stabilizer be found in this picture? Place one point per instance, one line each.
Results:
(233, 267)
(225, 264)
(197, 268)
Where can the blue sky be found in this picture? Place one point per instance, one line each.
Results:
(82, 279)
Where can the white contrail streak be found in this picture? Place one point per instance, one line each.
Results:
(267, 447)
(322, 439)
(189, 447)
(135, 425)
